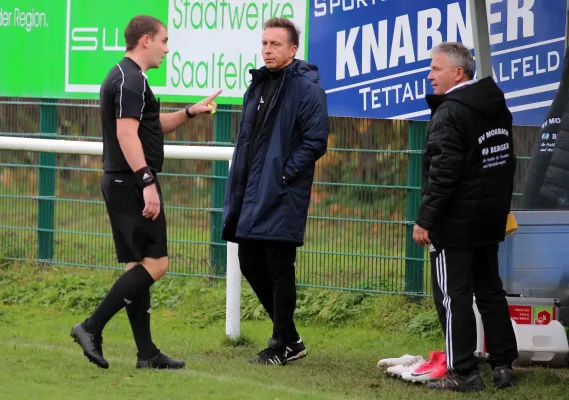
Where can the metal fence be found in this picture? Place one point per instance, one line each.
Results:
(364, 201)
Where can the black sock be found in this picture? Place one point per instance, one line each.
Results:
(127, 288)
(139, 316)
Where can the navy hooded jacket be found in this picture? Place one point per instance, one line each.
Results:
(258, 205)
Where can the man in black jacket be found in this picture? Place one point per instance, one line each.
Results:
(468, 173)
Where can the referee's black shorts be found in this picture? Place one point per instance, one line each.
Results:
(135, 236)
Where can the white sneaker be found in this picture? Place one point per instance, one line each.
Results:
(409, 366)
(390, 362)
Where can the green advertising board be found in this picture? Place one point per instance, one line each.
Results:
(64, 48)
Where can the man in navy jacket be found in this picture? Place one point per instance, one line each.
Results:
(283, 132)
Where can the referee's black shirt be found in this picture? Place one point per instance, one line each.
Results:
(125, 94)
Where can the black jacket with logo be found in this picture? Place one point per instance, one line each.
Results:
(468, 167)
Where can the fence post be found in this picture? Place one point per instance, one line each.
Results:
(414, 268)
(221, 133)
(233, 292)
(46, 181)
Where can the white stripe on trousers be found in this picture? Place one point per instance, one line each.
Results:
(441, 267)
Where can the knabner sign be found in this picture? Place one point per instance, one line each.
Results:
(374, 55)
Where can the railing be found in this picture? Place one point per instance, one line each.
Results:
(233, 274)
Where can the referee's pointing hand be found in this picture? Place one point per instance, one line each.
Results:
(151, 202)
(207, 105)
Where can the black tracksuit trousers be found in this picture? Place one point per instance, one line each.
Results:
(269, 269)
(457, 275)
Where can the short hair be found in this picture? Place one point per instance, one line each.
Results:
(459, 54)
(138, 27)
(293, 32)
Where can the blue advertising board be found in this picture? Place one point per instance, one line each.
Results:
(374, 55)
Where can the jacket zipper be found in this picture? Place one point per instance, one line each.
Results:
(271, 106)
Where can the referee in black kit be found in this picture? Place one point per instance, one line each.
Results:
(133, 153)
